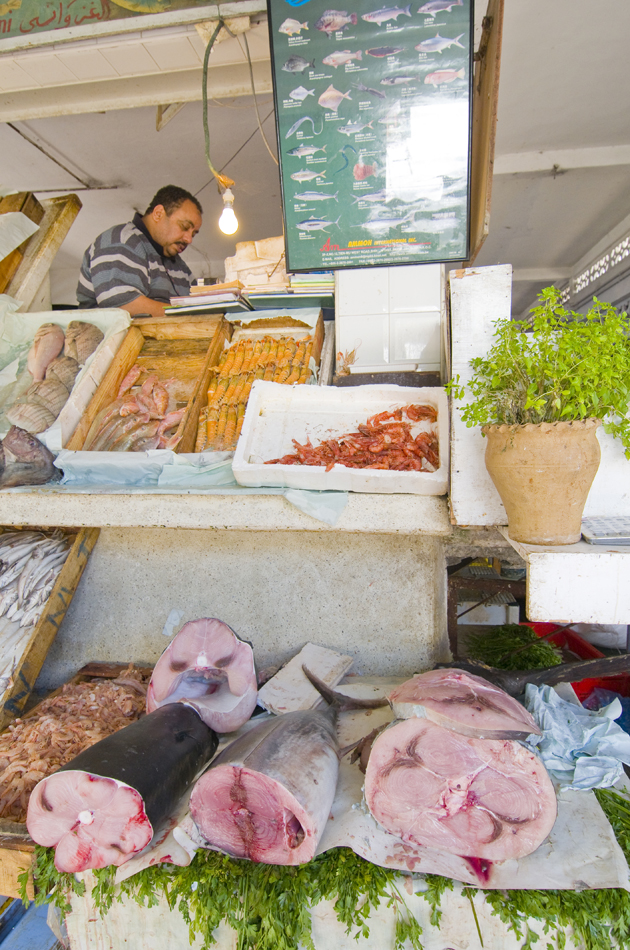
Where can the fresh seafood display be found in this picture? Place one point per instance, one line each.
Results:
(143, 416)
(379, 444)
(104, 806)
(484, 799)
(78, 716)
(208, 667)
(53, 374)
(282, 360)
(267, 796)
(463, 703)
(24, 460)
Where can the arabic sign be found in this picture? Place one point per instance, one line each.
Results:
(24, 17)
(373, 118)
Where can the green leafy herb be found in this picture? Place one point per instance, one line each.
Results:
(494, 646)
(556, 366)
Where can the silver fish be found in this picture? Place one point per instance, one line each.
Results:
(373, 197)
(331, 21)
(297, 64)
(292, 27)
(374, 92)
(398, 80)
(301, 93)
(386, 13)
(316, 224)
(437, 6)
(305, 150)
(392, 222)
(304, 175)
(331, 98)
(339, 57)
(296, 125)
(353, 128)
(438, 43)
(315, 196)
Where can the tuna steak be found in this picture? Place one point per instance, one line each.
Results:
(103, 807)
(464, 703)
(267, 797)
(483, 799)
(207, 666)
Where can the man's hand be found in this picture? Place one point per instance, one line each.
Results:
(142, 304)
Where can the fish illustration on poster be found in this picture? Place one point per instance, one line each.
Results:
(373, 106)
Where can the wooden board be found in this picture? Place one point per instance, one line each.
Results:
(178, 328)
(45, 630)
(171, 355)
(200, 396)
(28, 204)
(484, 125)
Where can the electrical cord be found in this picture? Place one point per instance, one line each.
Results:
(251, 77)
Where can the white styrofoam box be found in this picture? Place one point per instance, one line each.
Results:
(276, 414)
(491, 614)
(361, 291)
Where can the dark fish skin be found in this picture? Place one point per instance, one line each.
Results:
(339, 700)
(380, 51)
(159, 755)
(514, 681)
(24, 460)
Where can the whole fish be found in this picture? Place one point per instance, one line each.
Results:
(374, 92)
(331, 98)
(380, 51)
(339, 57)
(373, 196)
(316, 224)
(438, 43)
(305, 175)
(296, 126)
(437, 6)
(331, 21)
(297, 64)
(353, 128)
(342, 151)
(315, 196)
(301, 93)
(31, 416)
(65, 369)
(305, 150)
(444, 75)
(362, 171)
(376, 223)
(211, 669)
(386, 13)
(292, 27)
(81, 340)
(398, 80)
(48, 343)
(25, 461)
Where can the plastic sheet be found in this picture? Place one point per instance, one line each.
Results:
(15, 228)
(581, 749)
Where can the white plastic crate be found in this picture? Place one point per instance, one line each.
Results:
(276, 414)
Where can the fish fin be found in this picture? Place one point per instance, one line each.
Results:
(359, 53)
(333, 698)
(407, 10)
(461, 73)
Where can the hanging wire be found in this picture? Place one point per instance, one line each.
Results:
(223, 180)
(240, 149)
(251, 77)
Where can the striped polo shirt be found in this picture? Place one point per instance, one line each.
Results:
(125, 262)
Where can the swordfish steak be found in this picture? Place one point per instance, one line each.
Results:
(465, 703)
(268, 795)
(207, 666)
(105, 805)
(483, 799)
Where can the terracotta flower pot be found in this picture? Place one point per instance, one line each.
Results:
(543, 474)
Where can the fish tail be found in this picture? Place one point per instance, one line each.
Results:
(347, 95)
(353, 19)
(461, 73)
(457, 39)
(360, 54)
(305, 26)
(321, 128)
(407, 10)
(333, 698)
(312, 64)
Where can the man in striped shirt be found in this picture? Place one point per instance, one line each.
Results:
(137, 266)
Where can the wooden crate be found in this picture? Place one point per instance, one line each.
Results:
(28, 204)
(16, 845)
(170, 347)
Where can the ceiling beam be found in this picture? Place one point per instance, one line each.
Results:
(535, 274)
(558, 160)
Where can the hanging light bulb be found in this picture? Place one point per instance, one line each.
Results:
(228, 221)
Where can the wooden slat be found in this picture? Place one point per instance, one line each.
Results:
(57, 220)
(28, 204)
(12, 864)
(106, 392)
(178, 328)
(485, 105)
(199, 398)
(45, 630)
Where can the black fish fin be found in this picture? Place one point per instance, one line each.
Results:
(339, 700)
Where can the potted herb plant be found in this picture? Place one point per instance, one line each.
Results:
(539, 394)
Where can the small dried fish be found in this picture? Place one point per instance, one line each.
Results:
(31, 417)
(65, 369)
(81, 340)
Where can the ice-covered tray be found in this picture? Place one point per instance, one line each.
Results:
(277, 414)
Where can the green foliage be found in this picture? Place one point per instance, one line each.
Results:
(51, 885)
(558, 366)
(494, 646)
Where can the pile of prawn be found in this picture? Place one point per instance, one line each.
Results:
(141, 417)
(379, 444)
(65, 724)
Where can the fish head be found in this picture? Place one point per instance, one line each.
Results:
(25, 447)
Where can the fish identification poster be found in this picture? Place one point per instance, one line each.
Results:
(373, 112)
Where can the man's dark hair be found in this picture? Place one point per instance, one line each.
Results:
(171, 197)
